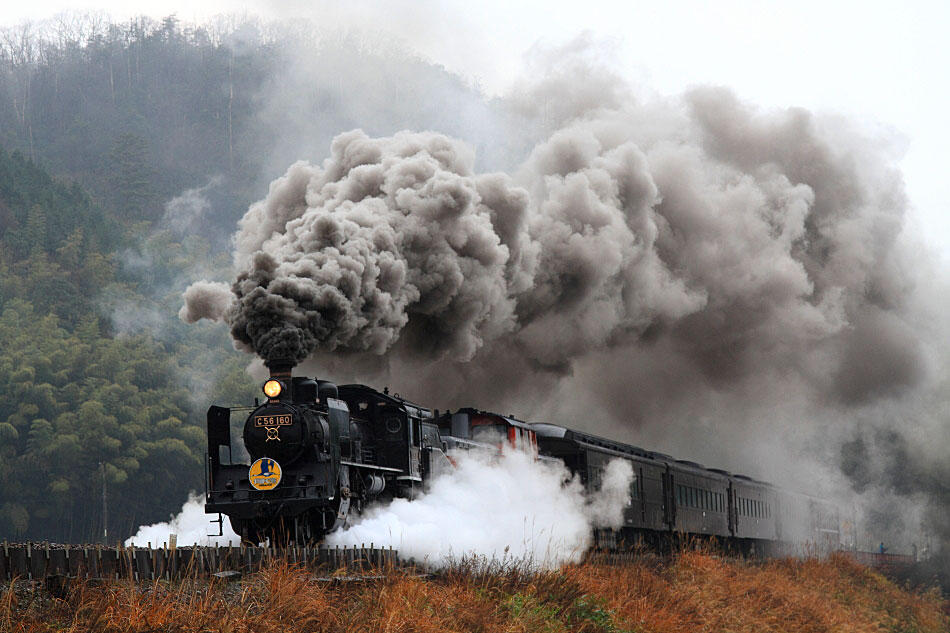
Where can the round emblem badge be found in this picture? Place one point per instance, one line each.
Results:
(264, 474)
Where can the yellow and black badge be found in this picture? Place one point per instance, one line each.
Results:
(264, 474)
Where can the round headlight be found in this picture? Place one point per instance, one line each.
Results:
(272, 388)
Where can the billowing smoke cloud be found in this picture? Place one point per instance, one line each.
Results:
(730, 284)
(205, 300)
(513, 507)
(743, 238)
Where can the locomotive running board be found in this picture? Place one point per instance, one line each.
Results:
(346, 462)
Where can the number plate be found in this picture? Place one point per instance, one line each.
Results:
(273, 420)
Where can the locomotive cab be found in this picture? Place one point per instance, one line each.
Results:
(406, 445)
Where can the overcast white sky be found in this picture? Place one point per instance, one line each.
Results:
(884, 63)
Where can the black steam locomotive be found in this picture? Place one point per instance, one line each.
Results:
(317, 453)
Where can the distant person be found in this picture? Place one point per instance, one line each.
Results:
(881, 547)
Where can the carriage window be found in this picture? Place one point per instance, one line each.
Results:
(596, 477)
(430, 434)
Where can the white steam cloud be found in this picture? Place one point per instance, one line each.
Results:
(513, 507)
(192, 527)
(606, 508)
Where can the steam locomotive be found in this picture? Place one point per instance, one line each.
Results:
(317, 453)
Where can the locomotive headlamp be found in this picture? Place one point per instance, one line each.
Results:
(273, 388)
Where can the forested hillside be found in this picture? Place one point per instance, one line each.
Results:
(81, 400)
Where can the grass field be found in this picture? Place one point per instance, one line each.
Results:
(692, 592)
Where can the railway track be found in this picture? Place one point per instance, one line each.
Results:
(39, 561)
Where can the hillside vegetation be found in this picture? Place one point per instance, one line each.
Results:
(96, 386)
(694, 592)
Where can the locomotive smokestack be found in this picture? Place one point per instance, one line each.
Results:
(280, 368)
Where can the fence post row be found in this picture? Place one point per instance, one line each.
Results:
(37, 562)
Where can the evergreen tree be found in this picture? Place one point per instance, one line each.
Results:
(133, 192)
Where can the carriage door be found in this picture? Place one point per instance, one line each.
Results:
(669, 503)
(733, 511)
(415, 447)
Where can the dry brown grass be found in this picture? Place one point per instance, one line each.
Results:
(695, 591)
